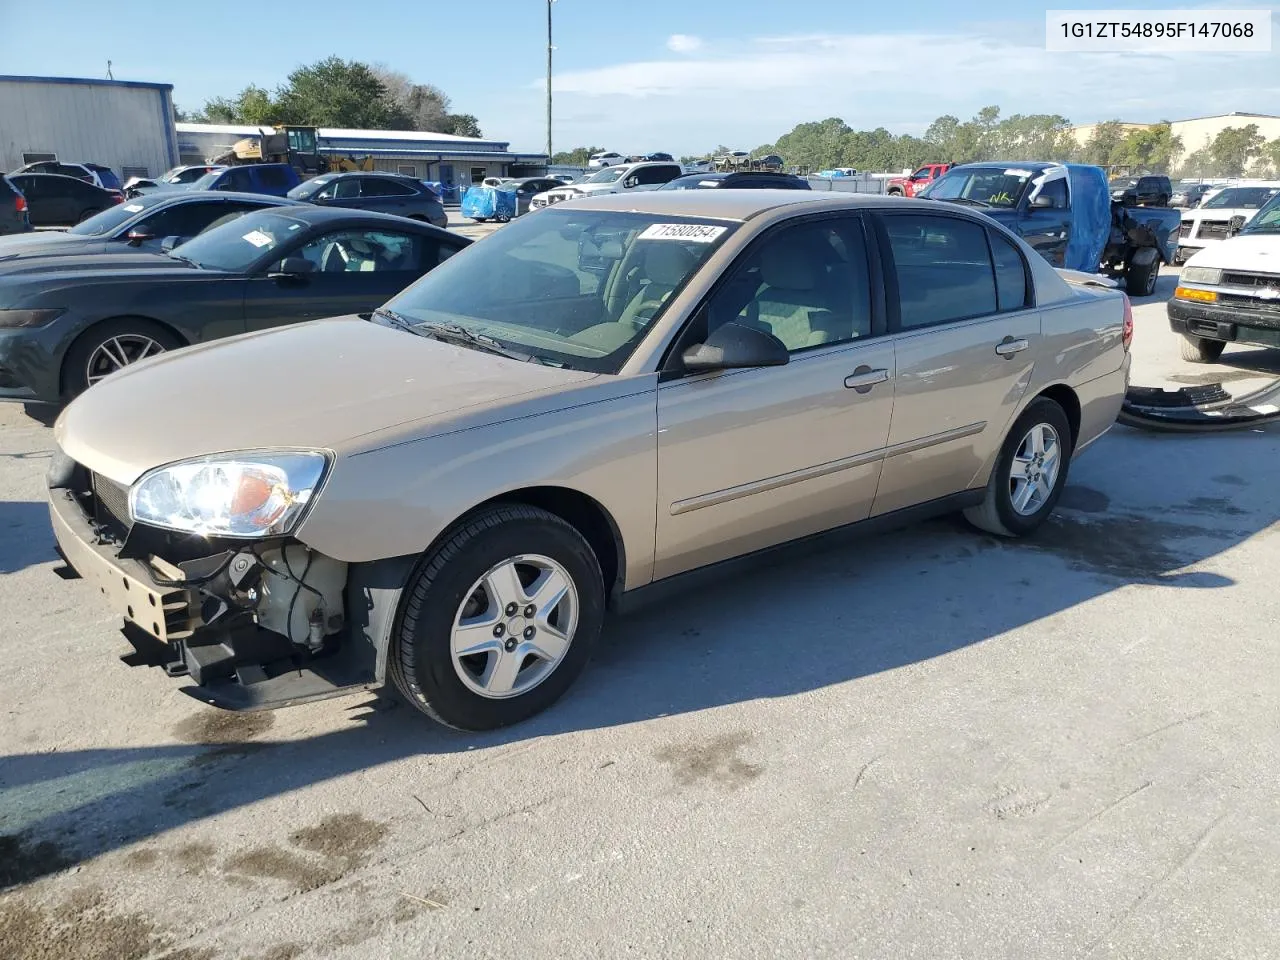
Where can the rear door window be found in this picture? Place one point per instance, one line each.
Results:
(1011, 273)
(381, 187)
(943, 269)
(273, 177)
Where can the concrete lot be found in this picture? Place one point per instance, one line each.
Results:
(930, 744)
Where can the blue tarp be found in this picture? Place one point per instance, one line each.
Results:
(488, 203)
(1090, 216)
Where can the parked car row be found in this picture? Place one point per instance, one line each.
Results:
(446, 484)
(1221, 215)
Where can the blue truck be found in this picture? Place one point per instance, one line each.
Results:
(1065, 212)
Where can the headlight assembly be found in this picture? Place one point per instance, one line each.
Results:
(246, 495)
(1206, 275)
(27, 319)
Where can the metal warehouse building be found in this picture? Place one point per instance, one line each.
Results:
(122, 124)
(429, 156)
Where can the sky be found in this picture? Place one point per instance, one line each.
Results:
(663, 74)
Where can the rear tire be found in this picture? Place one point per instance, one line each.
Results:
(456, 601)
(86, 214)
(1200, 350)
(1008, 510)
(1139, 280)
(106, 344)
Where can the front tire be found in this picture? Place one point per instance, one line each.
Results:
(499, 619)
(1200, 350)
(110, 346)
(1029, 473)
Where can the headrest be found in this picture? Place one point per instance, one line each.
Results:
(667, 263)
(788, 267)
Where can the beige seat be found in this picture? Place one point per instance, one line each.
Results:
(666, 264)
(799, 301)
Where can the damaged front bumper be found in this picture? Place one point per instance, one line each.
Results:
(253, 625)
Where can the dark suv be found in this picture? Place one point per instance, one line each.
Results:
(57, 201)
(392, 193)
(745, 180)
(13, 208)
(1148, 190)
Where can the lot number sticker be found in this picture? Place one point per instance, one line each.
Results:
(257, 238)
(693, 232)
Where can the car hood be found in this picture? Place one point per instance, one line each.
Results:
(82, 265)
(1219, 213)
(343, 384)
(37, 239)
(1258, 253)
(78, 246)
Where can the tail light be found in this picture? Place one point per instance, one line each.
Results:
(20, 203)
(117, 196)
(1127, 337)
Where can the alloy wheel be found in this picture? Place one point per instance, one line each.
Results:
(1035, 468)
(119, 352)
(514, 626)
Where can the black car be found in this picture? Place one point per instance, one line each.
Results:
(94, 173)
(745, 180)
(382, 192)
(57, 201)
(1148, 190)
(143, 223)
(14, 218)
(67, 322)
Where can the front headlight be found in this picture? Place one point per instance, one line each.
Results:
(1210, 276)
(27, 319)
(230, 495)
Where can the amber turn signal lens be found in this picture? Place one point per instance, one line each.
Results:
(1199, 296)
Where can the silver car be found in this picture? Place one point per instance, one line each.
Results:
(450, 494)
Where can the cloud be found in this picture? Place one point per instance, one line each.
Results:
(758, 89)
(683, 43)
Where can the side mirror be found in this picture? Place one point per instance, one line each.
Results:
(733, 347)
(291, 268)
(1235, 225)
(631, 182)
(138, 235)
(1042, 202)
(168, 243)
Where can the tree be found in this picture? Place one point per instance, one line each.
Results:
(1100, 147)
(1150, 151)
(1269, 154)
(427, 106)
(462, 125)
(340, 93)
(577, 157)
(1232, 148)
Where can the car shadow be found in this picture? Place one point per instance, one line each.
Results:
(24, 531)
(1140, 509)
(42, 413)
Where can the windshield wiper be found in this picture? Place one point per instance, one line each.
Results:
(187, 260)
(976, 203)
(453, 333)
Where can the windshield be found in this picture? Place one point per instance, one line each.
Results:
(1124, 183)
(1244, 198)
(995, 186)
(607, 175)
(208, 180)
(1266, 220)
(238, 245)
(106, 221)
(577, 289)
(692, 183)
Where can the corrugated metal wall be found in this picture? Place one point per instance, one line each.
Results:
(116, 124)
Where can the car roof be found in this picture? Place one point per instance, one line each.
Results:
(176, 197)
(738, 204)
(1035, 166)
(313, 215)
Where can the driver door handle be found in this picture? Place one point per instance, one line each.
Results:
(864, 378)
(1009, 346)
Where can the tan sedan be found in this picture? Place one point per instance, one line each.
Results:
(450, 494)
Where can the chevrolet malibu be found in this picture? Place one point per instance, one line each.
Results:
(449, 494)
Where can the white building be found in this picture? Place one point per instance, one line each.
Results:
(125, 125)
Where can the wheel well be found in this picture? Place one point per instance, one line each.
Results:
(587, 516)
(62, 373)
(1066, 398)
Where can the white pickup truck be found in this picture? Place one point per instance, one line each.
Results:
(1220, 214)
(1229, 292)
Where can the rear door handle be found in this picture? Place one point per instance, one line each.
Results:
(1009, 346)
(864, 378)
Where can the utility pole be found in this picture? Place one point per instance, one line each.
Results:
(549, 49)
